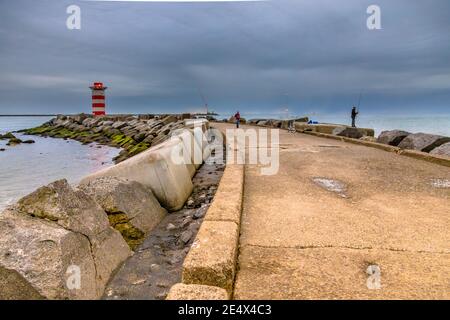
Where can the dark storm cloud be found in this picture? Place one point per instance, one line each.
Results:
(261, 56)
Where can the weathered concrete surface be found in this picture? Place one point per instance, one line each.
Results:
(212, 257)
(227, 204)
(196, 292)
(339, 273)
(308, 242)
(131, 207)
(392, 137)
(423, 142)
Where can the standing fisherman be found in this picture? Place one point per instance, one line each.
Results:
(237, 116)
(354, 114)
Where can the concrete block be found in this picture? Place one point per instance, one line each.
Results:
(182, 291)
(212, 258)
(170, 182)
(227, 204)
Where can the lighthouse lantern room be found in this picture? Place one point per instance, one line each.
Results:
(98, 99)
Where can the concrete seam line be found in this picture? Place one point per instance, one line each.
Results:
(418, 155)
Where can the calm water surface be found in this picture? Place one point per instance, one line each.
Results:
(24, 168)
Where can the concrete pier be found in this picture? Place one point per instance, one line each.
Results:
(335, 212)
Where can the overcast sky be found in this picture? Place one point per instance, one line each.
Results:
(258, 57)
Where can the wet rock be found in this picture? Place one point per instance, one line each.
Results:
(200, 213)
(119, 125)
(131, 207)
(423, 142)
(392, 137)
(2, 149)
(13, 142)
(170, 227)
(29, 141)
(190, 203)
(6, 136)
(186, 236)
(442, 150)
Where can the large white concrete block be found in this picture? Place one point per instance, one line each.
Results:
(155, 168)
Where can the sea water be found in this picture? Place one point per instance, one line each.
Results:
(25, 167)
(434, 124)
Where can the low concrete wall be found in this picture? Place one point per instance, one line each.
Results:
(213, 255)
(182, 291)
(440, 160)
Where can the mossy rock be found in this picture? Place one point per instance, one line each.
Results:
(38, 130)
(14, 142)
(136, 149)
(132, 236)
(8, 135)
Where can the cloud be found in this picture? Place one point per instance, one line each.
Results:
(256, 56)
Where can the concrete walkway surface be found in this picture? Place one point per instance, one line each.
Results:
(334, 209)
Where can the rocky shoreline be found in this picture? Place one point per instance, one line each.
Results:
(13, 140)
(133, 134)
(66, 242)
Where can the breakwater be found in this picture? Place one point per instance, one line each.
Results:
(133, 134)
(435, 145)
(65, 242)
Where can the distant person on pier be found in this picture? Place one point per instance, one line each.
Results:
(354, 114)
(237, 116)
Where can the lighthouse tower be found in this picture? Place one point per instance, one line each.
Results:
(98, 99)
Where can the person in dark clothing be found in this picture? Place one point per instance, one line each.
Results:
(237, 116)
(354, 114)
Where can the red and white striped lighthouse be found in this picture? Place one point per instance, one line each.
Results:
(98, 99)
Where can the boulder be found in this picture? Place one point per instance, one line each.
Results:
(14, 141)
(442, 150)
(349, 132)
(304, 119)
(79, 118)
(8, 135)
(423, 142)
(75, 211)
(392, 137)
(36, 256)
(131, 207)
(169, 119)
(262, 123)
(119, 125)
